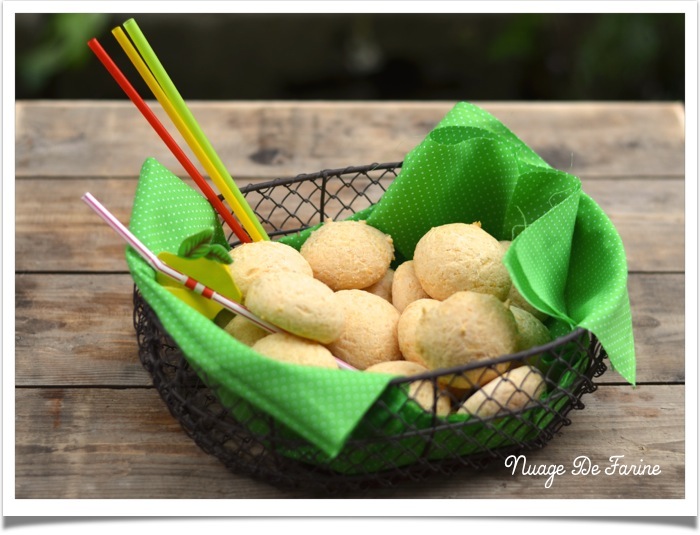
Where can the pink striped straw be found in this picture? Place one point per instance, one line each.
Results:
(157, 264)
(190, 283)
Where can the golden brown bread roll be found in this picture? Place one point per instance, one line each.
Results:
(422, 392)
(467, 327)
(298, 304)
(348, 254)
(457, 257)
(382, 288)
(244, 330)
(512, 391)
(250, 260)
(289, 348)
(407, 328)
(406, 287)
(370, 333)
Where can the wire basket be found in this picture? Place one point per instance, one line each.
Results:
(404, 436)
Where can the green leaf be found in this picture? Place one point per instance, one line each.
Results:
(219, 253)
(200, 251)
(191, 247)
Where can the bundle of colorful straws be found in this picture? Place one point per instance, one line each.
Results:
(151, 70)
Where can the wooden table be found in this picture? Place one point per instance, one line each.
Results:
(88, 422)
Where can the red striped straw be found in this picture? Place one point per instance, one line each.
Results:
(190, 283)
(168, 139)
(157, 264)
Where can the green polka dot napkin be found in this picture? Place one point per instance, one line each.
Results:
(321, 405)
(566, 259)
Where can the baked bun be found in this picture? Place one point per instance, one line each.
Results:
(406, 328)
(422, 392)
(297, 303)
(457, 257)
(370, 333)
(466, 328)
(250, 260)
(512, 391)
(382, 288)
(406, 287)
(293, 349)
(244, 330)
(348, 254)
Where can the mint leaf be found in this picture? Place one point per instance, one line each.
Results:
(219, 253)
(199, 251)
(200, 245)
(196, 245)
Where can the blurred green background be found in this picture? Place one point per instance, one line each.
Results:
(365, 56)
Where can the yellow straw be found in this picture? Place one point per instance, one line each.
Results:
(166, 93)
(168, 107)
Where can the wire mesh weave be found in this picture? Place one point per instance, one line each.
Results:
(404, 436)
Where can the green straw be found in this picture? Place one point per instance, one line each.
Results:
(256, 232)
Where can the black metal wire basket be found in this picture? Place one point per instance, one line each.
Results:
(404, 436)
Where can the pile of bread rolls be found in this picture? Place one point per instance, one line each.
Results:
(452, 305)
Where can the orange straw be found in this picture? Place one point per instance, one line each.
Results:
(168, 139)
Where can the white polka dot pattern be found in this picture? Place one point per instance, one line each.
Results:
(566, 259)
(322, 405)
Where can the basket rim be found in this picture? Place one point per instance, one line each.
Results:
(324, 173)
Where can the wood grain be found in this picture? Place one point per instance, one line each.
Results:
(658, 320)
(56, 231)
(76, 330)
(103, 443)
(273, 139)
(649, 215)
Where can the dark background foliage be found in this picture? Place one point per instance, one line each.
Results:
(366, 56)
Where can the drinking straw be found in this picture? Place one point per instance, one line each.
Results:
(215, 167)
(187, 281)
(157, 264)
(148, 114)
(163, 99)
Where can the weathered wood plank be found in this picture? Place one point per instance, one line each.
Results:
(658, 321)
(56, 231)
(271, 139)
(77, 330)
(102, 443)
(650, 218)
(87, 443)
